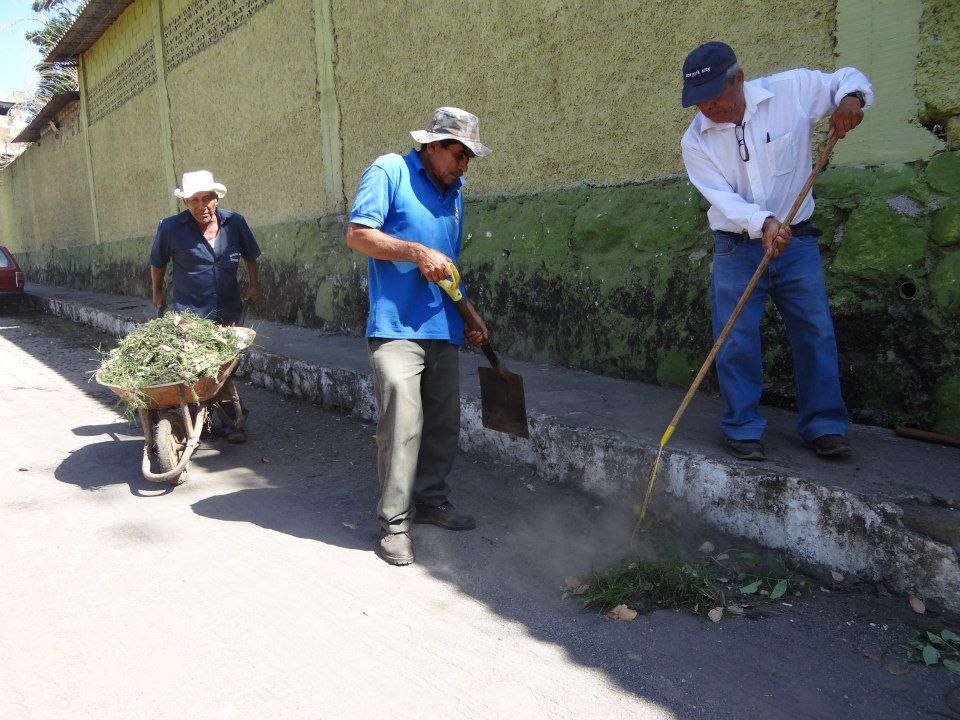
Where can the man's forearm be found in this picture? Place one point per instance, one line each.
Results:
(156, 278)
(380, 246)
(252, 278)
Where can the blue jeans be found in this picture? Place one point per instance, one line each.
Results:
(795, 283)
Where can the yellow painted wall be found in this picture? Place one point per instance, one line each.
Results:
(246, 109)
(127, 169)
(44, 195)
(118, 42)
(567, 92)
(63, 218)
(17, 220)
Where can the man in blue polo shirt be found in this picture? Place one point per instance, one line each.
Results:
(408, 219)
(206, 245)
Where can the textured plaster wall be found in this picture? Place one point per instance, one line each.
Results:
(246, 109)
(567, 92)
(126, 145)
(128, 172)
(17, 226)
(882, 38)
(31, 216)
(126, 34)
(64, 218)
(937, 63)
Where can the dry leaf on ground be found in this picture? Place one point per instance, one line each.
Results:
(264, 460)
(721, 557)
(917, 604)
(707, 547)
(871, 656)
(823, 589)
(715, 614)
(621, 612)
(348, 524)
(836, 575)
(898, 670)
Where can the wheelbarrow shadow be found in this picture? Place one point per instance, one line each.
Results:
(112, 462)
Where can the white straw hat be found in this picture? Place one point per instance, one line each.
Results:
(199, 181)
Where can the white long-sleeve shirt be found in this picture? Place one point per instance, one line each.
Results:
(781, 112)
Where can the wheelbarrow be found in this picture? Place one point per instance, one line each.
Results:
(171, 432)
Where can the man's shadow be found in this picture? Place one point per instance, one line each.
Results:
(287, 511)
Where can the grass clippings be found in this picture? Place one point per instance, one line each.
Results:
(177, 347)
(651, 585)
(713, 586)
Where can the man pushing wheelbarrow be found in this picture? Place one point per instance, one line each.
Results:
(206, 245)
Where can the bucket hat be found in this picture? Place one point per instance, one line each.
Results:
(199, 181)
(450, 123)
(704, 71)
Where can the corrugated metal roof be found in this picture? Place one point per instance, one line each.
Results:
(31, 133)
(93, 20)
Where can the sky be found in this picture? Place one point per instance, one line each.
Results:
(17, 56)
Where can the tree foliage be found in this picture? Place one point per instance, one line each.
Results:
(56, 17)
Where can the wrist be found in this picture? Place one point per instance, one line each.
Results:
(858, 95)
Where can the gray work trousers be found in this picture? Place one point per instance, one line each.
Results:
(417, 383)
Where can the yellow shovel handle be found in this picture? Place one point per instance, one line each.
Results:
(451, 285)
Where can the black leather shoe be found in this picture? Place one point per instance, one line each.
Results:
(445, 516)
(745, 449)
(832, 445)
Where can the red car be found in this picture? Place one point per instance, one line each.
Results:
(11, 278)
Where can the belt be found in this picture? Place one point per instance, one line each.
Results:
(801, 228)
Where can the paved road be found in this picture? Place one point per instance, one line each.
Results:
(252, 591)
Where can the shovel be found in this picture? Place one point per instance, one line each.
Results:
(502, 401)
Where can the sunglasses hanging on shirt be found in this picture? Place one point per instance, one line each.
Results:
(741, 142)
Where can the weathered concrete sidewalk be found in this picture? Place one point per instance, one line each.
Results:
(888, 513)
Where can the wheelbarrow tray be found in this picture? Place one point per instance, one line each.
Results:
(162, 397)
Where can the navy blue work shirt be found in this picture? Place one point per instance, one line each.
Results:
(205, 279)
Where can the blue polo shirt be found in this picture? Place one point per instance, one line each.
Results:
(397, 196)
(205, 276)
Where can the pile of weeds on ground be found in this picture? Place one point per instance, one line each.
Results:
(177, 347)
(728, 583)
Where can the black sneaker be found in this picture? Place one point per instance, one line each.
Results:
(445, 516)
(395, 548)
(745, 449)
(832, 445)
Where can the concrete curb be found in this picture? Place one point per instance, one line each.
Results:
(817, 526)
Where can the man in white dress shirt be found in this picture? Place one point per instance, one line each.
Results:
(748, 151)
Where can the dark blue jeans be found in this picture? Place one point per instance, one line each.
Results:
(795, 283)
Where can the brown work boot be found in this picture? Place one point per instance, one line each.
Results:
(396, 548)
(832, 445)
(745, 449)
(445, 516)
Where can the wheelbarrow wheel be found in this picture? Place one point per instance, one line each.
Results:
(170, 438)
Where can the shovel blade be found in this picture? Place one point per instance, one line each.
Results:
(502, 402)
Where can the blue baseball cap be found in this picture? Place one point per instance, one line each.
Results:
(704, 71)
